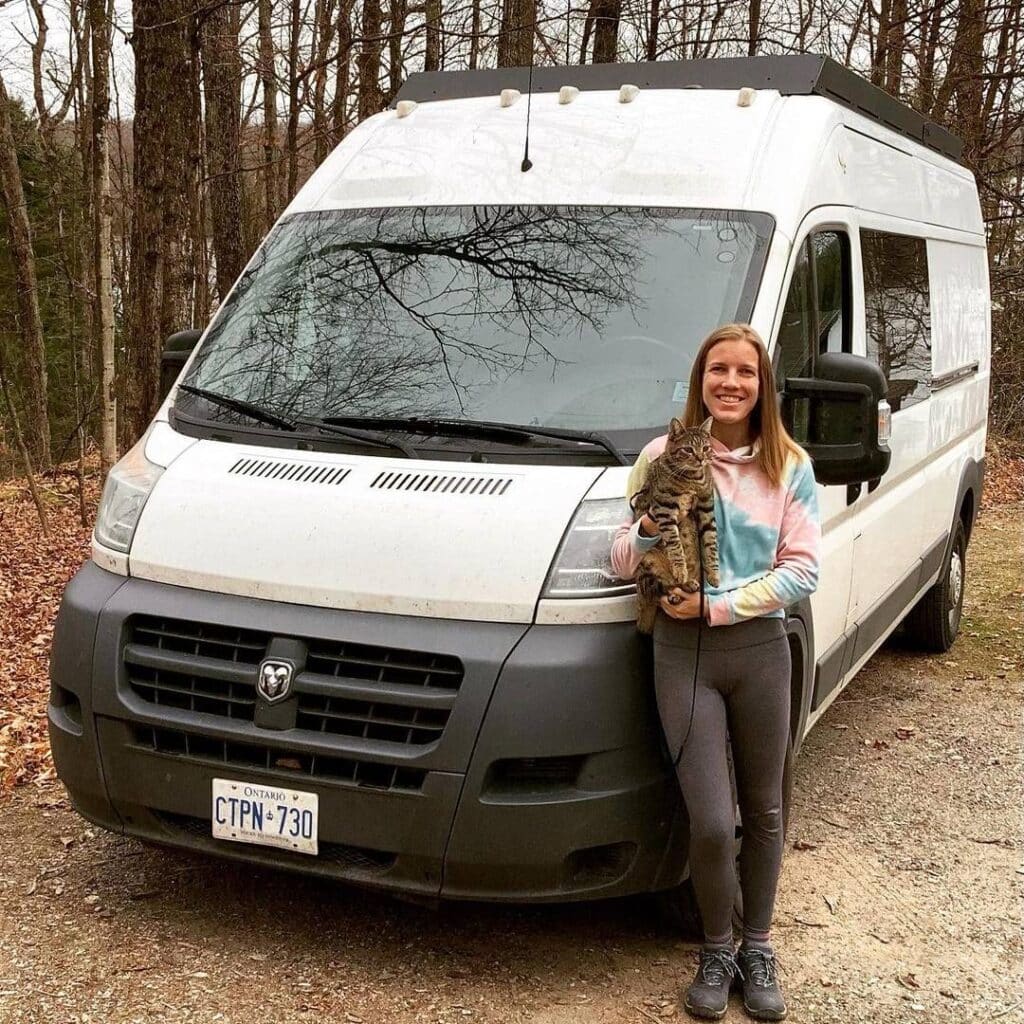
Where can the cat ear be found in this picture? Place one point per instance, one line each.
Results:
(675, 428)
(706, 425)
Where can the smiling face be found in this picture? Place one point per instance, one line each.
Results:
(730, 387)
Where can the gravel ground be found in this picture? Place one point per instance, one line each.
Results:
(899, 900)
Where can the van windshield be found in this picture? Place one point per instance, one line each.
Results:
(585, 318)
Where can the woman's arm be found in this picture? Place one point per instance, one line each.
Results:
(795, 573)
(630, 543)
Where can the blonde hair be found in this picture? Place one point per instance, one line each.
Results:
(776, 446)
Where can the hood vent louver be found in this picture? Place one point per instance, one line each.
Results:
(442, 483)
(293, 472)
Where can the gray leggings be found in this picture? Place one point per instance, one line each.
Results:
(742, 694)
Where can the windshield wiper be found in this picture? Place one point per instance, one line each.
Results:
(385, 440)
(484, 428)
(239, 405)
(272, 419)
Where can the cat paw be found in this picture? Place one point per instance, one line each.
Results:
(690, 587)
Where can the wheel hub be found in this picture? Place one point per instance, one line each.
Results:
(956, 582)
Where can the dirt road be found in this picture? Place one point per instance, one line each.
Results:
(899, 901)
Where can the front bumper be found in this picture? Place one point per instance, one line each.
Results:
(547, 781)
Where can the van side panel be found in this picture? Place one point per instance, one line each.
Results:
(883, 178)
(961, 315)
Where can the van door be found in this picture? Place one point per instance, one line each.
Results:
(816, 317)
(891, 278)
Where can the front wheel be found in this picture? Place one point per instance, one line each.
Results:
(933, 623)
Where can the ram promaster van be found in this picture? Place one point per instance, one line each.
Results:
(350, 608)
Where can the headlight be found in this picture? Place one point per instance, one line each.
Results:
(582, 567)
(128, 486)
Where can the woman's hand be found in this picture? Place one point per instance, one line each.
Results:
(687, 606)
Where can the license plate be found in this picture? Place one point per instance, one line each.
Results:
(246, 812)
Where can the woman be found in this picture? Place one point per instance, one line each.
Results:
(769, 536)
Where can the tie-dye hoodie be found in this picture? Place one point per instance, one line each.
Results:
(769, 537)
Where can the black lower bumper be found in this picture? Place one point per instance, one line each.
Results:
(548, 781)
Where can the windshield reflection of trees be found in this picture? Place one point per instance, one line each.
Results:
(414, 311)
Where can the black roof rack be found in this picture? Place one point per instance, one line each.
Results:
(803, 74)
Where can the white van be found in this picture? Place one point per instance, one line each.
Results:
(350, 609)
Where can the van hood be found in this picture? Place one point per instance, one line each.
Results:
(442, 539)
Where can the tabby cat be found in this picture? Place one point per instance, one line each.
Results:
(679, 496)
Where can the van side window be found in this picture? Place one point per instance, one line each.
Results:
(897, 310)
(796, 355)
(816, 317)
(831, 272)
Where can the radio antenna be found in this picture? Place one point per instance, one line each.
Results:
(527, 162)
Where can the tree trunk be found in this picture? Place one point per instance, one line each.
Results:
(222, 80)
(515, 36)
(896, 46)
(652, 30)
(878, 60)
(102, 209)
(294, 33)
(432, 53)
(324, 38)
(30, 325)
(163, 113)
(606, 14)
(19, 440)
(268, 82)
(342, 77)
(474, 40)
(398, 14)
(368, 61)
(754, 25)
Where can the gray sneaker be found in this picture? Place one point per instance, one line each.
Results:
(762, 997)
(708, 994)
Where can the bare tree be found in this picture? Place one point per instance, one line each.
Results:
(222, 81)
(368, 61)
(515, 37)
(30, 325)
(161, 132)
(268, 81)
(103, 316)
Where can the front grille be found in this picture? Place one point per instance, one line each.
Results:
(283, 763)
(388, 722)
(201, 639)
(346, 689)
(194, 693)
(383, 664)
(355, 858)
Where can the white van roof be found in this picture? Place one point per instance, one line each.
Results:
(673, 147)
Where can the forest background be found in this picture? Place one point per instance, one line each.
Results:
(146, 149)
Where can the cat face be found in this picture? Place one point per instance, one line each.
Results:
(690, 445)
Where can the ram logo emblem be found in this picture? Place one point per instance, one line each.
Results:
(275, 679)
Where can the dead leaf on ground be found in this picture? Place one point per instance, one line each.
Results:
(908, 981)
(803, 844)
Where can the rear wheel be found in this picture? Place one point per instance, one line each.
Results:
(933, 623)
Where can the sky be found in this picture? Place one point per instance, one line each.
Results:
(18, 29)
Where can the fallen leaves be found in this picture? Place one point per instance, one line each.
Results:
(33, 572)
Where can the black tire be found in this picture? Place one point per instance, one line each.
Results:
(679, 908)
(933, 623)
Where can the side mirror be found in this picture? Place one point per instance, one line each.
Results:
(835, 416)
(177, 349)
